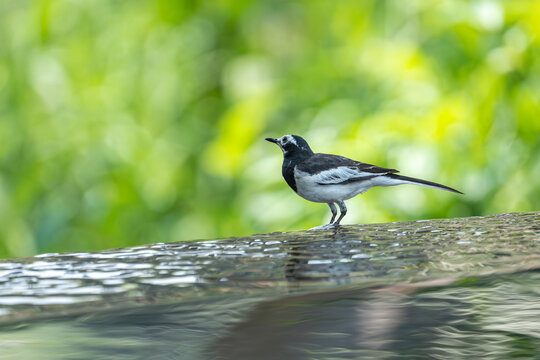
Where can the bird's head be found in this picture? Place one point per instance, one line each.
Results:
(292, 145)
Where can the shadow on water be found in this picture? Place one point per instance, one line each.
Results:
(442, 289)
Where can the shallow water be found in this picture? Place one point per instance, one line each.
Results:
(436, 289)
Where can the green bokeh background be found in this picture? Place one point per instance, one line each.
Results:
(131, 122)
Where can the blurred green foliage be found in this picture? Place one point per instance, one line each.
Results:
(129, 122)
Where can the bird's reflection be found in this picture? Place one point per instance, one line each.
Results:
(351, 323)
(365, 321)
(325, 258)
(339, 256)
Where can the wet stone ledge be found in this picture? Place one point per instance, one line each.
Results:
(251, 269)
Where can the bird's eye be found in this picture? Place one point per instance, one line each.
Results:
(284, 141)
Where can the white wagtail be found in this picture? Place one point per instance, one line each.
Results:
(331, 179)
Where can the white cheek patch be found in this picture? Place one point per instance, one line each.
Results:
(285, 140)
(291, 139)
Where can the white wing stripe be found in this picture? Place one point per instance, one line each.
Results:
(340, 174)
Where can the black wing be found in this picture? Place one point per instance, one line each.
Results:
(333, 169)
(321, 162)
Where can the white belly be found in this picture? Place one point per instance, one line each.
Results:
(308, 188)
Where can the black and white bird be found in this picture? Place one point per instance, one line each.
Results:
(332, 179)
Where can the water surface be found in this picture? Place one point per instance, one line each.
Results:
(429, 289)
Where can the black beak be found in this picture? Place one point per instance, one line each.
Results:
(274, 140)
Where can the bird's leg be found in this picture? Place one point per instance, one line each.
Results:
(343, 210)
(334, 212)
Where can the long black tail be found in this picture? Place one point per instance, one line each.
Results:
(411, 180)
